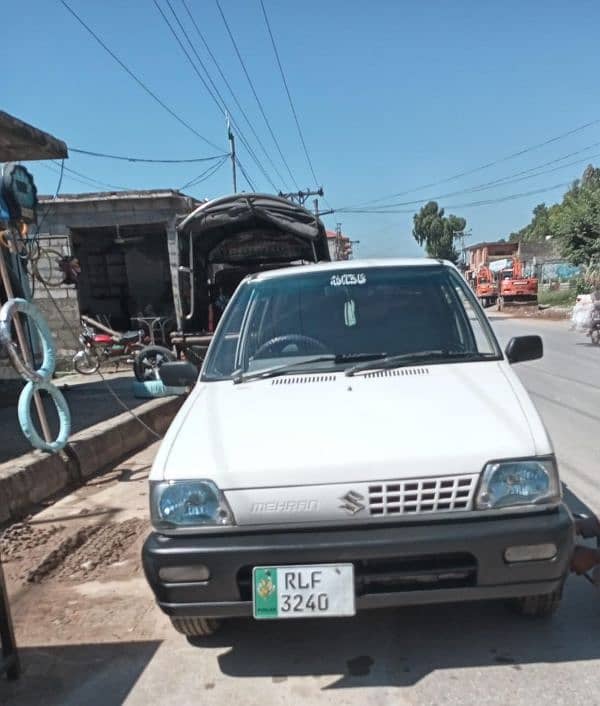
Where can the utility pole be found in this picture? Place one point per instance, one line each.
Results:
(338, 241)
(231, 138)
(301, 197)
(316, 207)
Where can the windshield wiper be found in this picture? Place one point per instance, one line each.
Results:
(338, 358)
(394, 361)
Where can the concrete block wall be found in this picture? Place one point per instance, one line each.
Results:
(59, 305)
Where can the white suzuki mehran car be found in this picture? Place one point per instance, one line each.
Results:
(356, 439)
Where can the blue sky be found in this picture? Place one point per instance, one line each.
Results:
(391, 95)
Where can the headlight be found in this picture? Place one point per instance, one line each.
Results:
(528, 482)
(180, 504)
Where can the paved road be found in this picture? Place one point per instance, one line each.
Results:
(125, 652)
(565, 387)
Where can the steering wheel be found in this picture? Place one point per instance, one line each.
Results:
(274, 346)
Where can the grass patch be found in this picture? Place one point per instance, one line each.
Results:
(561, 297)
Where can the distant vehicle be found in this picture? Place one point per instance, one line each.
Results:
(486, 287)
(514, 287)
(319, 465)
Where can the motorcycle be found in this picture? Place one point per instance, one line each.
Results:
(129, 347)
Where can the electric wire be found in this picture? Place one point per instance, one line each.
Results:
(487, 165)
(255, 94)
(489, 185)
(213, 169)
(471, 204)
(230, 89)
(214, 91)
(139, 81)
(144, 160)
(289, 95)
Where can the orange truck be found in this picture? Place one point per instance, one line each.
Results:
(486, 288)
(514, 287)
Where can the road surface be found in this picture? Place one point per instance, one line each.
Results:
(92, 636)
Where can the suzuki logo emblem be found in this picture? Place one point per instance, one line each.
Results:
(352, 502)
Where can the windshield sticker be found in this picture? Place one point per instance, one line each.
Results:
(350, 313)
(348, 278)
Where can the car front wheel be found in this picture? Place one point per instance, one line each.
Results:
(542, 606)
(196, 627)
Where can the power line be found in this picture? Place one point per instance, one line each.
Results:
(89, 181)
(246, 177)
(493, 163)
(289, 95)
(206, 174)
(230, 89)
(504, 181)
(137, 79)
(144, 160)
(224, 107)
(56, 192)
(471, 204)
(214, 91)
(93, 179)
(258, 101)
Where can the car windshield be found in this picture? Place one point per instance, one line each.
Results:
(334, 319)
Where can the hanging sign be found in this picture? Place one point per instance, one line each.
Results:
(19, 193)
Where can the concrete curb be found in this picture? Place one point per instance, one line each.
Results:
(36, 476)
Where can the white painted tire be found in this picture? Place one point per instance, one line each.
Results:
(155, 388)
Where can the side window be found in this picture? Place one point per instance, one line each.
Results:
(222, 359)
(482, 340)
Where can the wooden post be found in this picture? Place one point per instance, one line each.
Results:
(24, 346)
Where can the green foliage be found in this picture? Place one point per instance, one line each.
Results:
(559, 297)
(437, 232)
(574, 223)
(539, 228)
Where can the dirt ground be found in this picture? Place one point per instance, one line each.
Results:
(73, 570)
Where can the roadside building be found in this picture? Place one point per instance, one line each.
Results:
(541, 259)
(125, 246)
(340, 245)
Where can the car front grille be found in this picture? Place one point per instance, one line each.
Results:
(425, 495)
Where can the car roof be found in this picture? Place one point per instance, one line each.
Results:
(349, 265)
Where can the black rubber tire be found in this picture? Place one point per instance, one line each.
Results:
(158, 354)
(93, 362)
(542, 606)
(196, 627)
(595, 336)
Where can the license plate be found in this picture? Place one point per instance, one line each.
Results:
(303, 591)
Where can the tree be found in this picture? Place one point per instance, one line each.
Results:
(574, 223)
(437, 232)
(577, 222)
(539, 228)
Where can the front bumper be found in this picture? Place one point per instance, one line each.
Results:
(395, 565)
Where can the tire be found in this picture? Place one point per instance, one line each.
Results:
(148, 360)
(86, 363)
(196, 627)
(542, 606)
(595, 336)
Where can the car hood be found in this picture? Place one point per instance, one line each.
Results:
(328, 428)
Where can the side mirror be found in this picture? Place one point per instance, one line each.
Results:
(178, 374)
(522, 348)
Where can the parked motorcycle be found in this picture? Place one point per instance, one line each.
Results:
(129, 347)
